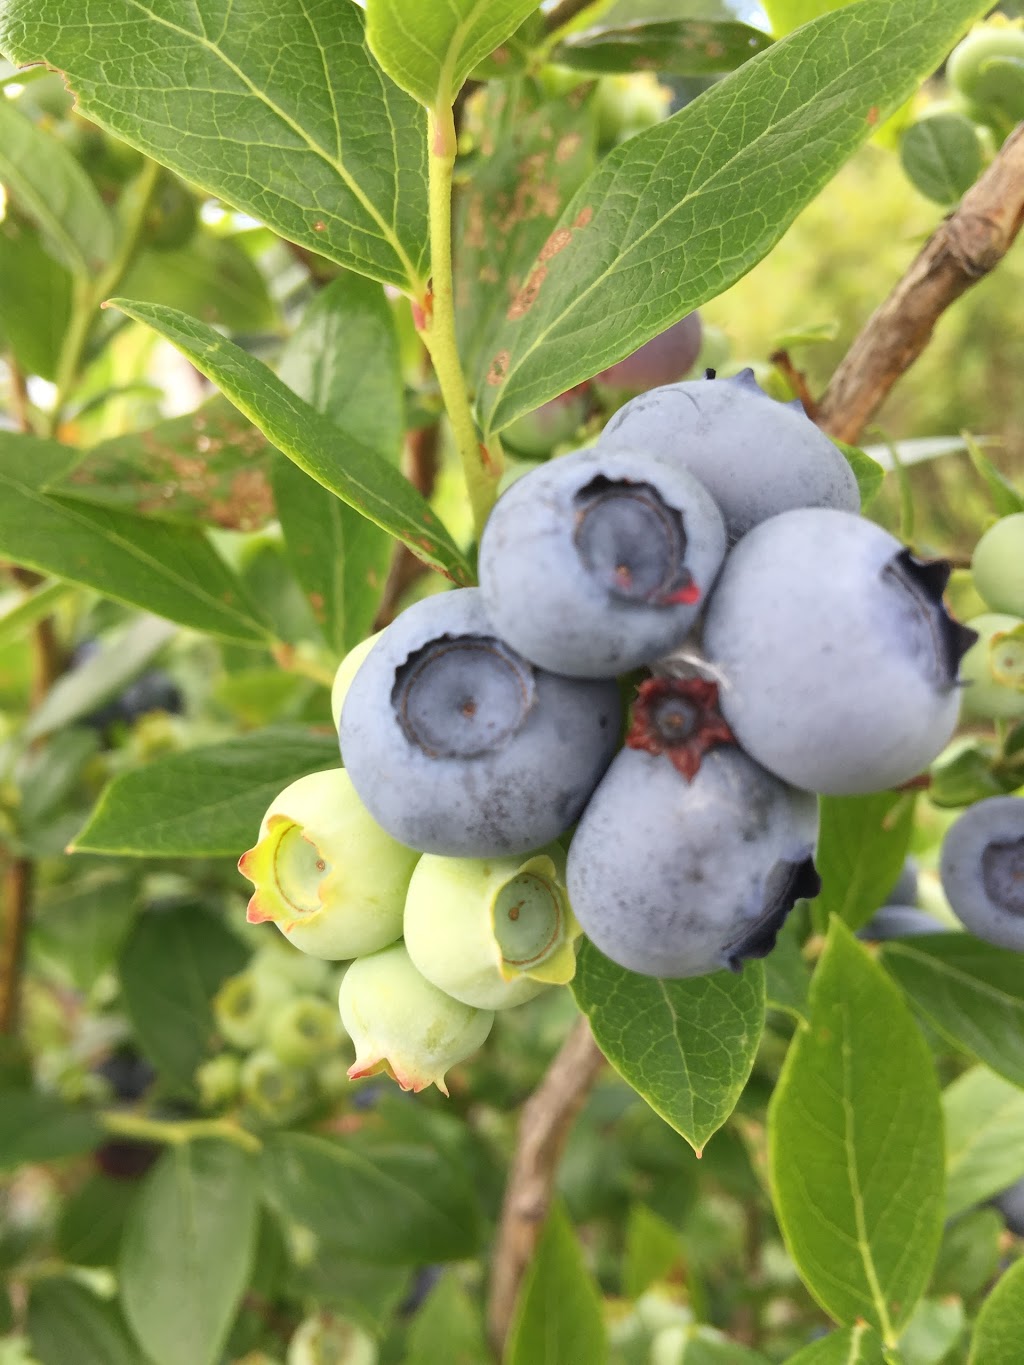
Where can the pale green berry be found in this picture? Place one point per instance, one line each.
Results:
(402, 1025)
(347, 670)
(243, 1006)
(325, 872)
(332, 1078)
(993, 669)
(327, 1340)
(491, 932)
(218, 1080)
(998, 565)
(279, 959)
(304, 1030)
(275, 1092)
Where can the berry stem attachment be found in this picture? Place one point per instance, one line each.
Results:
(175, 1134)
(435, 321)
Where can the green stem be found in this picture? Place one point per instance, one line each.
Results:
(481, 467)
(90, 294)
(145, 1129)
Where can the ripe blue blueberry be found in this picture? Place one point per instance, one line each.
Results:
(837, 658)
(899, 921)
(594, 564)
(688, 856)
(755, 456)
(905, 890)
(457, 745)
(982, 870)
(1010, 1204)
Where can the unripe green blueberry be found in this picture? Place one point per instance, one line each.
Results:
(275, 1092)
(402, 1025)
(325, 872)
(347, 670)
(993, 668)
(243, 1006)
(304, 1030)
(988, 66)
(332, 1078)
(537, 434)
(998, 565)
(276, 957)
(218, 1080)
(491, 932)
(327, 1340)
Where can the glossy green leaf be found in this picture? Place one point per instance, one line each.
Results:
(66, 1321)
(204, 802)
(449, 1328)
(343, 358)
(49, 185)
(999, 1329)
(855, 1144)
(558, 1316)
(860, 1345)
(171, 966)
(970, 992)
(388, 1204)
(786, 15)
(984, 1138)
(862, 845)
(188, 1248)
(686, 1046)
(35, 299)
(36, 1127)
(683, 210)
(119, 660)
(941, 156)
(677, 47)
(209, 466)
(310, 137)
(430, 49)
(339, 461)
(172, 571)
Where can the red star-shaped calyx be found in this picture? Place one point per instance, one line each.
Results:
(678, 717)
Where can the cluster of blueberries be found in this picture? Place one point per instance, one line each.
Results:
(706, 555)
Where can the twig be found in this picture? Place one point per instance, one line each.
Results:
(17, 886)
(18, 395)
(565, 12)
(543, 1129)
(421, 464)
(970, 243)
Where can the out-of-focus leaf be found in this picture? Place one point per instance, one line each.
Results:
(47, 773)
(855, 1144)
(211, 277)
(862, 846)
(866, 470)
(447, 1328)
(205, 802)
(933, 1330)
(558, 1317)
(66, 1321)
(686, 1046)
(92, 1220)
(23, 610)
(677, 47)
(787, 977)
(860, 1345)
(299, 129)
(171, 967)
(984, 1138)
(189, 1241)
(652, 1249)
(941, 156)
(999, 1329)
(351, 470)
(1006, 499)
(78, 929)
(786, 15)
(36, 1127)
(35, 299)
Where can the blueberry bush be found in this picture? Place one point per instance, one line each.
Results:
(511, 815)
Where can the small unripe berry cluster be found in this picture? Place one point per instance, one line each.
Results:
(710, 538)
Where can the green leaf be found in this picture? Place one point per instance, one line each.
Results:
(787, 977)
(429, 50)
(368, 1293)
(212, 276)
(932, 1332)
(999, 1328)
(678, 47)
(696, 1345)
(971, 993)
(855, 1144)
(61, 1312)
(37, 1127)
(23, 609)
(343, 359)
(686, 1046)
(652, 1250)
(941, 156)
(203, 803)
(447, 1328)
(1006, 498)
(858, 1345)
(678, 213)
(188, 1248)
(351, 470)
(171, 966)
(49, 772)
(862, 846)
(78, 928)
(51, 187)
(786, 15)
(969, 1255)
(170, 570)
(119, 659)
(309, 137)
(92, 1221)
(35, 299)
(558, 1316)
(207, 466)
(390, 1204)
(866, 470)
(984, 1138)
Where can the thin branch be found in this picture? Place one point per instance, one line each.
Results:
(545, 1124)
(17, 900)
(970, 243)
(18, 395)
